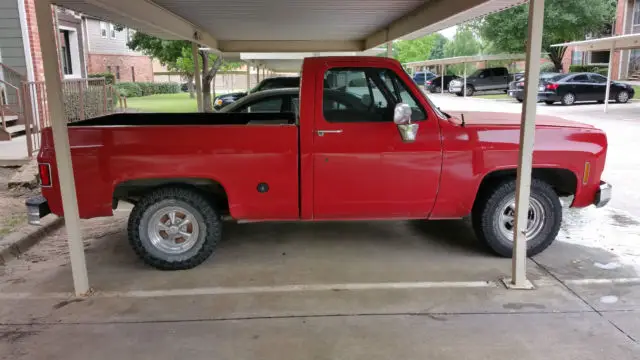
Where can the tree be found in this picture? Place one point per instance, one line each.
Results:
(417, 49)
(464, 43)
(177, 55)
(437, 50)
(564, 20)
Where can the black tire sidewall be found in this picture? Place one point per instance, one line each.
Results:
(485, 222)
(208, 222)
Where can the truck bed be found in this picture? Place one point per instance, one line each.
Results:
(129, 150)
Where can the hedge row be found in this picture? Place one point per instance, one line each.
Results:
(110, 78)
(135, 89)
(602, 70)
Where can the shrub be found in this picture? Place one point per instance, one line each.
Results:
(129, 89)
(110, 79)
(547, 67)
(588, 68)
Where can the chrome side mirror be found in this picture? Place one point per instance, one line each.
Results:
(402, 117)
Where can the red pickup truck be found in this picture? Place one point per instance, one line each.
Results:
(362, 142)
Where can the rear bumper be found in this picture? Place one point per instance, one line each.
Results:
(516, 94)
(603, 195)
(548, 96)
(37, 208)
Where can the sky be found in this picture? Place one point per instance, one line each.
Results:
(449, 33)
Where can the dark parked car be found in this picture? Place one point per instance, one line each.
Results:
(286, 100)
(482, 79)
(571, 88)
(516, 87)
(223, 100)
(422, 77)
(434, 84)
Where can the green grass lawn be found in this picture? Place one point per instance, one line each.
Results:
(163, 103)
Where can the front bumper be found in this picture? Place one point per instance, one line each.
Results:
(37, 208)
(603, 195)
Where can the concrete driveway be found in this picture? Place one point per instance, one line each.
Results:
(410, 290)
(350, 290)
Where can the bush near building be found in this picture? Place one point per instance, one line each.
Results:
(136, 89)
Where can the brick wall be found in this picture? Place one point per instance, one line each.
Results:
(34, 40)
(142, 66)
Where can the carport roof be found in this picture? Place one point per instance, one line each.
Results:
(292, 62)
(321, 25)
(620, 42)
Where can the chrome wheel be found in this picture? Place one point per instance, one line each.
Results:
(173, 230)
(506, 218)
(568, 99)
(623, 97)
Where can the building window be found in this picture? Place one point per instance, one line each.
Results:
(109, 69)
(576, 58)
(130, 33)
(133, 74)
(117, 72)
(103, 29)
(112, 31)
(65, 52)
(636, 13)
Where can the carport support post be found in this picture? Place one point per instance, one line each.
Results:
(442, 78)
(55, 103)
(464, 91)
(390, 49)
(608, 89)
(197, 75)
(527, 132)
(248, 77)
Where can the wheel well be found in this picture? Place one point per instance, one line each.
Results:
(563, 181)
(132, 190)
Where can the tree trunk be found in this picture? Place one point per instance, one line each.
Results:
(555, 55)
(206, 96)
(207, 76)
(190, 86)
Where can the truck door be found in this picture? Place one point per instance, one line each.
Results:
(361, 167)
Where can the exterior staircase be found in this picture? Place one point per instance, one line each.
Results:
(10, 127)
(635, 76)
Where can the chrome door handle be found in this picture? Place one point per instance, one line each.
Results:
(322, 132)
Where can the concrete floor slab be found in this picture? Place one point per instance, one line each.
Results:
(535, 336)
(610, 297)
(628, 322)
(274, 255)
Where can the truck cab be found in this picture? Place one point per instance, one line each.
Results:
(362, 142)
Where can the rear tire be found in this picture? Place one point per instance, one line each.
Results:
(491, 216)
(459, 94)
(568, 99)
(520, 100)
(549, 102)
(622, 97)
(470, 90)
(161, 236)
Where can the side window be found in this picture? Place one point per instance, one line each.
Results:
(271, 104)
(598, 79)
(363, 86)
(580, 78)
(399, 90)
(500, 72)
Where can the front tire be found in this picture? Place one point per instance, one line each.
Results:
(622, 97)
(549, 102)
(174, 228)
(470, 90)
(493, 217)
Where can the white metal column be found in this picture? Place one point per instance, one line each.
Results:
(464, 90)
(442, 67)
(55, 104)
(248, 77)
(197, 76)
(390, 49)
(527, 132)
(608, 90)
(258, 74)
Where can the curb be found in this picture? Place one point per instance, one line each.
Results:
(19, 241)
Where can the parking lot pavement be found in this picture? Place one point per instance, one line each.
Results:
(330, 290)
